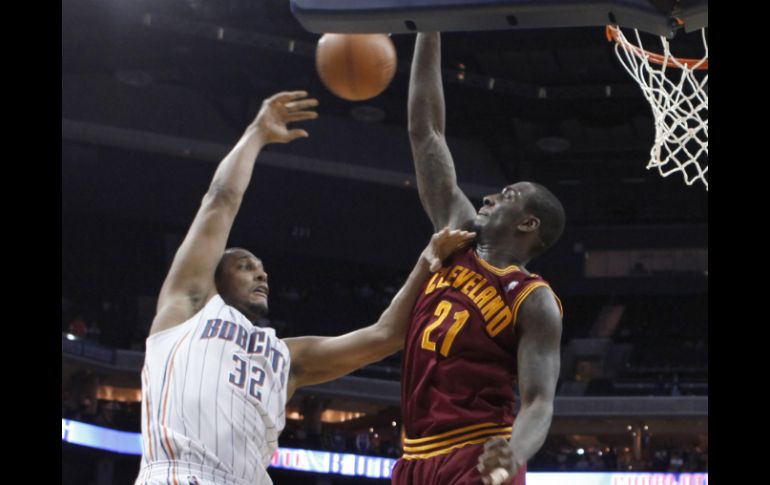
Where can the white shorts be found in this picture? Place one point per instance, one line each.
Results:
(182, 473)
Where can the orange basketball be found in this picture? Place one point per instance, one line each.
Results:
(355, 66)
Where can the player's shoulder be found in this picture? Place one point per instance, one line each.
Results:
(532, 297)
(212, 308)
(539, 303)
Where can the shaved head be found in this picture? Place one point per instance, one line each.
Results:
(545, 206)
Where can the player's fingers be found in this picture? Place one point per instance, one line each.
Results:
(287, 96)
(294, 134)
(302, 116)
(301, 104)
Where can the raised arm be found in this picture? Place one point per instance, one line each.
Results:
(538, 367)
(320, 359)
(440, 195)
(190, 280)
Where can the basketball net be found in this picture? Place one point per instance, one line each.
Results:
(677, 90)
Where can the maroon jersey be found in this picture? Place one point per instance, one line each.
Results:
(459, 364)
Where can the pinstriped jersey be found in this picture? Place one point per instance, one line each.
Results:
(213, 398)
(459, 363)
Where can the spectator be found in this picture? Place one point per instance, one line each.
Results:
(78, 327)
(363, 442)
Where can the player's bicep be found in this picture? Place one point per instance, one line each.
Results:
(462, 212)
(441, 197)
(539, 359)
(173, 312)
(448, 208)
(191, 275)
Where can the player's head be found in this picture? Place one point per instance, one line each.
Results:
(242, 282)
(524, 212)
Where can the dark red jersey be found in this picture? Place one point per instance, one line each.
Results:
(459, 364)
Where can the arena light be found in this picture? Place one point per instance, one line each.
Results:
(326, 462)
(84, 434)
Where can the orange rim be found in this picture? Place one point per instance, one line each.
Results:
(613, 35)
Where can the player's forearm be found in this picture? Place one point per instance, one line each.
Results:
(531, 429)
(426, 112)
(394, 321)
(234, 172)
(321, 359)
(434, 167)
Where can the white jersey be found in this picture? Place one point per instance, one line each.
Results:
(213, 400)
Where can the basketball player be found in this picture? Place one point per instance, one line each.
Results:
(214, 384)
(482, 323)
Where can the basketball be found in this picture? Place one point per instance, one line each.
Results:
(356, 67)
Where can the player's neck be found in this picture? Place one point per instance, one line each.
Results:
(253, 317)
(499, 255)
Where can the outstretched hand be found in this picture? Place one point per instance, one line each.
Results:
(444, 243)
(280, 109)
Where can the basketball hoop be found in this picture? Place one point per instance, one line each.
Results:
(677, 90)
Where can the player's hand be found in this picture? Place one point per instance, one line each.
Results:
(444, 243)
(497, 464)
(280, 109)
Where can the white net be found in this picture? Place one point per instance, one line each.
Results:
(677, 90)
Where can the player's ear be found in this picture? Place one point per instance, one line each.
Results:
(530, 223)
